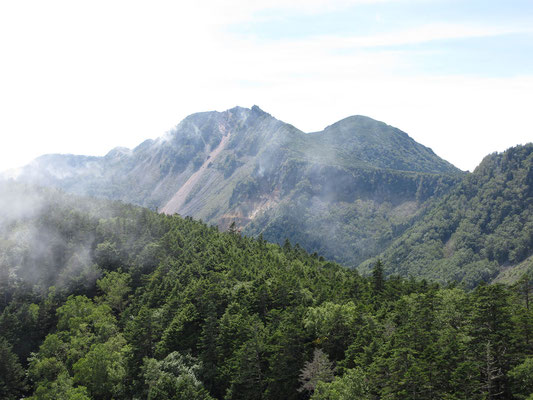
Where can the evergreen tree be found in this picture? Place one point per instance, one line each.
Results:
(378, 280)
(12, 376)
(492, 343)
(352, 385)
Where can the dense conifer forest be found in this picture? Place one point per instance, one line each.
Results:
(102, 300)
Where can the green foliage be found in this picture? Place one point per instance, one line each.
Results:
(377, 277)
(522, 377)
(332, 326)
(107, 255)
(197, 313)
(61, 388)
(115, 286)
(250, 368)
(103, 368)
(173, 378)
(86, 354)
(480, 229)
(12, 377)
(352, 385)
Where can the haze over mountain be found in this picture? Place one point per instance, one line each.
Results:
(345, 192)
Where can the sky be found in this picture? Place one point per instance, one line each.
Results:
(83, 77)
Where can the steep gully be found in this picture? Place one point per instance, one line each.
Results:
(177, 201)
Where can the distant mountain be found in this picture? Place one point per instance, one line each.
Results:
(346, 192)
(481, 231)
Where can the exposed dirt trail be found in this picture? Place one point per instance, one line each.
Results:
(176, 202)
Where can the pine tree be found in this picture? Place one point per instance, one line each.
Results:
(12, 377)
(492, 338)
(378, 281)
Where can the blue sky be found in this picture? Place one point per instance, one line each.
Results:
(78, 77)
(507, 50)
(363, 18)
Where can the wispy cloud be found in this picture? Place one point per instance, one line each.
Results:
(424, 34)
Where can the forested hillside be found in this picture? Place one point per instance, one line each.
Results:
(103, 300)
(482, 230)
(346, 192)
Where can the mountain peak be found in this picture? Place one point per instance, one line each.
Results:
(256, 110)
(242, 112)
(359, 123)
(376, 144)
(118, 152)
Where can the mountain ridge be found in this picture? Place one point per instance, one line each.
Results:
(348, 173)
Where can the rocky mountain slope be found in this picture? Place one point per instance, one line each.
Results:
(345, 192)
